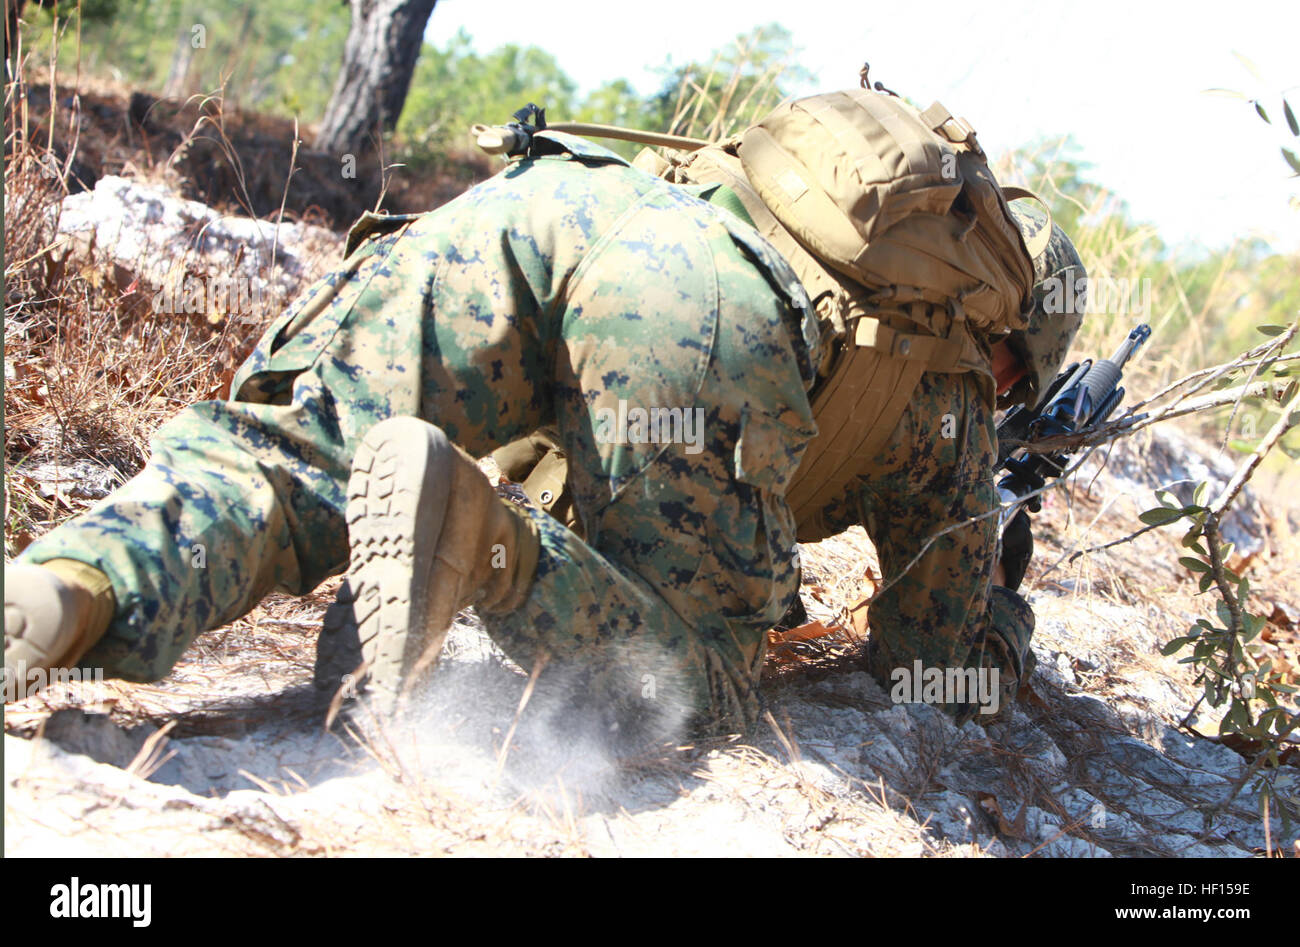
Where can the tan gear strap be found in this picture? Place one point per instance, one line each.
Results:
(938, 355)
(857, 410)
(539, 464)
(958, 131)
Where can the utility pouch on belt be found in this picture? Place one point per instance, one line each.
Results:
(539, 464)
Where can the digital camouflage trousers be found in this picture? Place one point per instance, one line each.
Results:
(928, 502)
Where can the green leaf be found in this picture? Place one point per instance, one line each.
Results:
(1196, 565)
(1172, 647)
(1225, 615)
(1167, 499)
(1226, 93)
(1292, 160)
(1241, 707)
(1202, 491)
(1206, 581)
(1190, 540)
(1260, 109)
(1271, 329)
(1233, 716)
(1290, 118)
(1160, 516)
(1241, 447)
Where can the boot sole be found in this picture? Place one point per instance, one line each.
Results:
(396, 504)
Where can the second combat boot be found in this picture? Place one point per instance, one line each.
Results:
(54, 614)
(428, 536)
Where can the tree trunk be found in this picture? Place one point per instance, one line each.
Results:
(378, 59)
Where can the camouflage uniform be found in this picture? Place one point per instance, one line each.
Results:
(945, 611)
(566, 286)
(936, 471)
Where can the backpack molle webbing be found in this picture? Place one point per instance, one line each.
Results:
(899, 201)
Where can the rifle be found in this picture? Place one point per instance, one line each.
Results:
(1084, 394)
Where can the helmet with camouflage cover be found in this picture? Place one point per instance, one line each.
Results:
(1060, 299)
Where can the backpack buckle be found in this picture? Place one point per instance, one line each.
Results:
(957, 131)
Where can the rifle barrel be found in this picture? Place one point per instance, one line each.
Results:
(1131, 344)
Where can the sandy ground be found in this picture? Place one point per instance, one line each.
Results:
(228, 755)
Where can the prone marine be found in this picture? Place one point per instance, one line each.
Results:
(553, 296)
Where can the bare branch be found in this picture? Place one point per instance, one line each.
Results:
(1246, 470)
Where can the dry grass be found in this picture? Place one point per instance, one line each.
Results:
(728, 95)
(91, 370)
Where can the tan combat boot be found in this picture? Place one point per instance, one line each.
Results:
(54, 614)
(428, 536)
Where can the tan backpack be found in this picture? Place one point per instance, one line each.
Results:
(902, 238)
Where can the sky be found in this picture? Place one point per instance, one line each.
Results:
(1125, 79)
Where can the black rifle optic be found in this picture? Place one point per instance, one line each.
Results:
(1083, 394)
